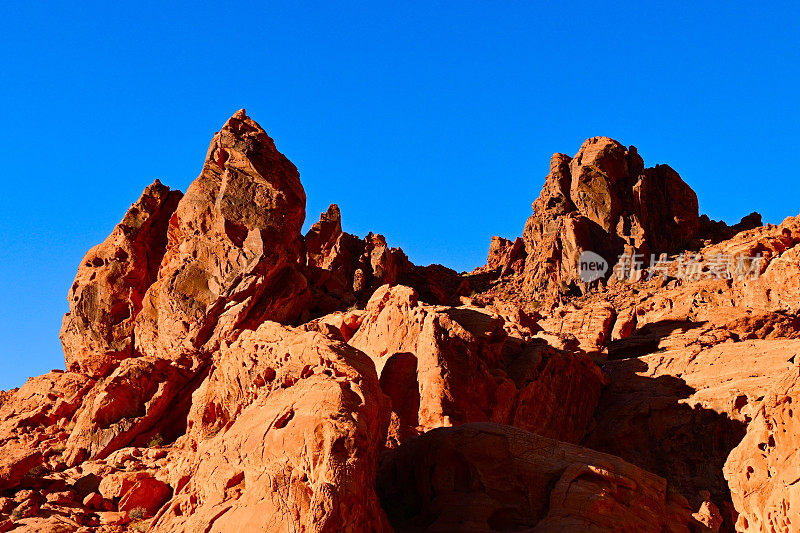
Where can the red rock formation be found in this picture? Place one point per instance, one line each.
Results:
(489, 477)
(345, 269)
(600, 201)
(284, 435)
(506, 256)
(465, 368)
(112, 279)
(763, 470)
(233, 250)
(227, 373)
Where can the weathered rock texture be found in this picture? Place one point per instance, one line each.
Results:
(445, 366)
(489, 477)
(234, 248)
(226, 373)
(345, 269)
(111, 282)
(284, 435)
(602, 200)
(763, 470)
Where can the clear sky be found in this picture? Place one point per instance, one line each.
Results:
(430, 122)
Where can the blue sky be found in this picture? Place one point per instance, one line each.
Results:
(430, 122)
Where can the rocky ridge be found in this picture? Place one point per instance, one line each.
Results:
(225, 372)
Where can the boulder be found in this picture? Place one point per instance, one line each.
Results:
(284, 436)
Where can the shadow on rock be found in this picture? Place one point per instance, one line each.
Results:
(644, 421)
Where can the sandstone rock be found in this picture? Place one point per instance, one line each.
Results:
(233, 249)
(345, 268)
(112, 518)
(32, 422)
(136, 401)
(445, 366)
(107, 293)
(591, 325)
(190, 400)
(148, 494)
(93, 501)
(287, 430)
(680, 412)
(763, 469)
(489, 477)
(506, 255)
(118, 484)
(601, 200)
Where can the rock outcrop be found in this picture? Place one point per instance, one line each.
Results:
(112, 279)
(489, 477)
(444, 366)
(345, 269)
(226, 373)
(284, 435)
(764, 468)
(605, 201)
(233, 250)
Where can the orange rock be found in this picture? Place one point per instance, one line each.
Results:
(446, 366)
(138, 400)
(344, 268)
(113, 276)
(763, 469)
(32, 422)
(680, 412)
(191, 404)
(148, 494)
(284, 435)
(506, 255)
(93, 501)
(489, 477)
(118, 484)
(233, 249)
(599, 201)
(113, 518)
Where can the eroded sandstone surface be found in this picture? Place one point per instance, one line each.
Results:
(225, 372)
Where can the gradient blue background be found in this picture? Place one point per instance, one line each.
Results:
(430, 122)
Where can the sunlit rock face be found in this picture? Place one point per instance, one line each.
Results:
(227, 373)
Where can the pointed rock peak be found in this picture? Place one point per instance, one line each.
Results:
(322, 235)
(332, 215)
(241, 124)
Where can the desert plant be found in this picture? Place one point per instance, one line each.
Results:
(141, 526)
(137, 513)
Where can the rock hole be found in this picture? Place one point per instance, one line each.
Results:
(740, 402)
(236, 233)
(121, 255)
(284, 419)
(222, 157)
